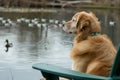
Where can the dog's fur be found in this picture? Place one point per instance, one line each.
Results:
(90, 54)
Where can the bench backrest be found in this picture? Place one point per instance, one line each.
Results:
(115, 72)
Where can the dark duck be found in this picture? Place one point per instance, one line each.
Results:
(8, 45)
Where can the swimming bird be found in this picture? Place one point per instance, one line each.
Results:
(39, 25)
(27, 20)
(7, 24)
(4, 21)
(8, 45)
(56, 21)
(30, 24)
(63, 21)
(43, 20)
(1, 18)
(111, 23)
(19, 20)
(51, 21)
(44, 25)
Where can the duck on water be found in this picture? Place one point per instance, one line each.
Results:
(8, 45)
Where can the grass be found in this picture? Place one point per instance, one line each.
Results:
(24, 10)
(53, 10)
(100, 7)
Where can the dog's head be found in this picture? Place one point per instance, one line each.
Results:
(82, 22)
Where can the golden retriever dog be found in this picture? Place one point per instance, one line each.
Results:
(92, 52)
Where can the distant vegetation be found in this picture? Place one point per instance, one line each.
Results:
(48, 3)
(22, 3)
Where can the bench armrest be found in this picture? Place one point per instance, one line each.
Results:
(51, 72)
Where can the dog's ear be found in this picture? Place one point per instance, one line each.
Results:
(83, 24)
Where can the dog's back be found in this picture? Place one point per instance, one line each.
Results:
(94, 55)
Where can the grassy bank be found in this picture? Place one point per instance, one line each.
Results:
(99, 7)
(24, 10)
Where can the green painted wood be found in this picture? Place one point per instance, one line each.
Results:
(115, 72)
(63, 72)
(49, 76)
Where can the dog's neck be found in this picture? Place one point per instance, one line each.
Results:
(81, 37)
(95, 34)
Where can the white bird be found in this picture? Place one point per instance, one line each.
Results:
(9, 21)
(44, 25)
(55, 26)
(7, 24)
(51, 21)
(63, 21)
(35, 22)
(19, 20)
(39, 25)
(30, 24)
(27, 20)
(43, 20)
(4, 21)
(56, 21)
(60, 25)
(23, 19)
(36, 19)
(1, 18)
(111, 23)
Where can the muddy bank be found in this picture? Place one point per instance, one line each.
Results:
(23, 10)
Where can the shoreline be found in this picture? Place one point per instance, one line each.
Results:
(100, 7)
(25, 10)
(53, 9)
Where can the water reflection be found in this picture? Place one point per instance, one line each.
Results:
(47, 42)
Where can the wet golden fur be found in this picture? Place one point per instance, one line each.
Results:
(90, 54)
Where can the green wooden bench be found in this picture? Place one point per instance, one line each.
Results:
(52, 72)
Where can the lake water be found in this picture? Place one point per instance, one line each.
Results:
(48, 43)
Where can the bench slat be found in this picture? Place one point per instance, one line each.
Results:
(63, 72)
